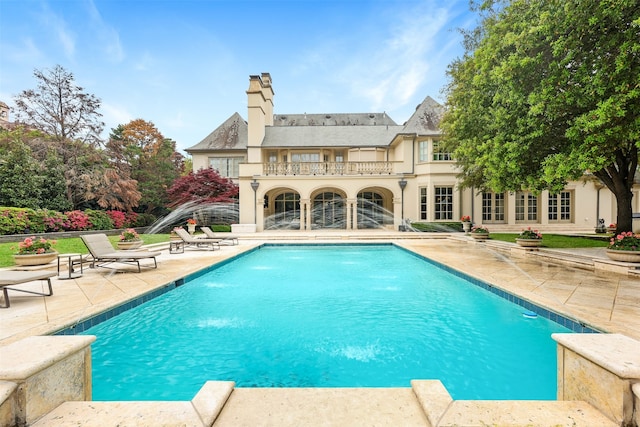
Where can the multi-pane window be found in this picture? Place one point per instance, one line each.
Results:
(287, 205)
(560, 206)
(423, 203)
(328, 210)
(526, 206)
(305, 157)
(228, 167)
(371, 213)
(443, 203)
(493, 207)
(423, 151)
(439, 152)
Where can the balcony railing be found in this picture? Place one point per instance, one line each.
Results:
(328, 168)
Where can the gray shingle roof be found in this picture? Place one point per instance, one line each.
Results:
(330, 136)
(426, 119)
(233, 134)
(340, 119)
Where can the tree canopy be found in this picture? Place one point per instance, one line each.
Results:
(545, 93)
(60, 108)
(54, 156)
(204, 186)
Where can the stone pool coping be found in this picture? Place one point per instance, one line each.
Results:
(296, 404)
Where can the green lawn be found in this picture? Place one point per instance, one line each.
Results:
(558, 241)
(70, 245)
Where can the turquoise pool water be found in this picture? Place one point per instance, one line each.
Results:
(325, 316)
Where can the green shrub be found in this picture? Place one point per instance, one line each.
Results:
(20, 221)
(99, 220)
(144, 220)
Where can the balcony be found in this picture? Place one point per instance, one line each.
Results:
(328, 168)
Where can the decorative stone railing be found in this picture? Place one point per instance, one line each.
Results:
(328, 168)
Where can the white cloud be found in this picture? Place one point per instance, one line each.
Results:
(400, 67)
(108, 36)
(64, 36)
(114, 115)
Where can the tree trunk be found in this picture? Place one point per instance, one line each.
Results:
(619, 177)
(624, 211)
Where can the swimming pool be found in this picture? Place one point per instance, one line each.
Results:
(325, 316)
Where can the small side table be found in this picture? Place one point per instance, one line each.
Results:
(176, 246)
(70, 263)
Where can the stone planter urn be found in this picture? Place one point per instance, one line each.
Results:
(529, 243)
(480, 236)
(191, 228)
(134, 244)
(35, 259)
(466, 226)
(623, 256)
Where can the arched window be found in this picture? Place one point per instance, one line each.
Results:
(371, 213)
(288, 205)
(328, 211)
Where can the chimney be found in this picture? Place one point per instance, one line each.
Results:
(260, 112)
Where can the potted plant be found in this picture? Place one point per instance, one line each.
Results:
(624, 247)
(191, 225)
(612, 228)
(529, 238)
(32, 251)
(480, 232)
(466, 223)
(129, 239)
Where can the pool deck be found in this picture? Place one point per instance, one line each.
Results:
(606, 301)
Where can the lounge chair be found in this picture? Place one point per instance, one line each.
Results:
(228, 240)
(12, 278)
(103, 253)
(189, 240)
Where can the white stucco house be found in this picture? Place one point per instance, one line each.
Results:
(350, 171)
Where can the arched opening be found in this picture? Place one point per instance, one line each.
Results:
(371, 211)
(285, 212)
(328, 211)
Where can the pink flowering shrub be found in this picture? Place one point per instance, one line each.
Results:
(55, 221)
(78, 221)
(119, 218)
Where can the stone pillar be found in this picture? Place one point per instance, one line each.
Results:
(48, 370)
(599, 369)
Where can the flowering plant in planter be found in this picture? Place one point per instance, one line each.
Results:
(625, 241)
(480, 229)
(32, 246)
(129, 235)
(465, 218)
(528, 233)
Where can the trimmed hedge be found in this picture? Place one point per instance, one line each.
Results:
(26, 220)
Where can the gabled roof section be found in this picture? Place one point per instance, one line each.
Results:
(233, 134)
(426, 119)
(340, 119)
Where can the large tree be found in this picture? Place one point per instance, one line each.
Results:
(70, 124)
(546, 92)
(140, 150)
(60, 108)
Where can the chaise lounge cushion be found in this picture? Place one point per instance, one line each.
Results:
(103, 252)
(12, 278)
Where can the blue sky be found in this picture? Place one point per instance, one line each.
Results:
(185, 65)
